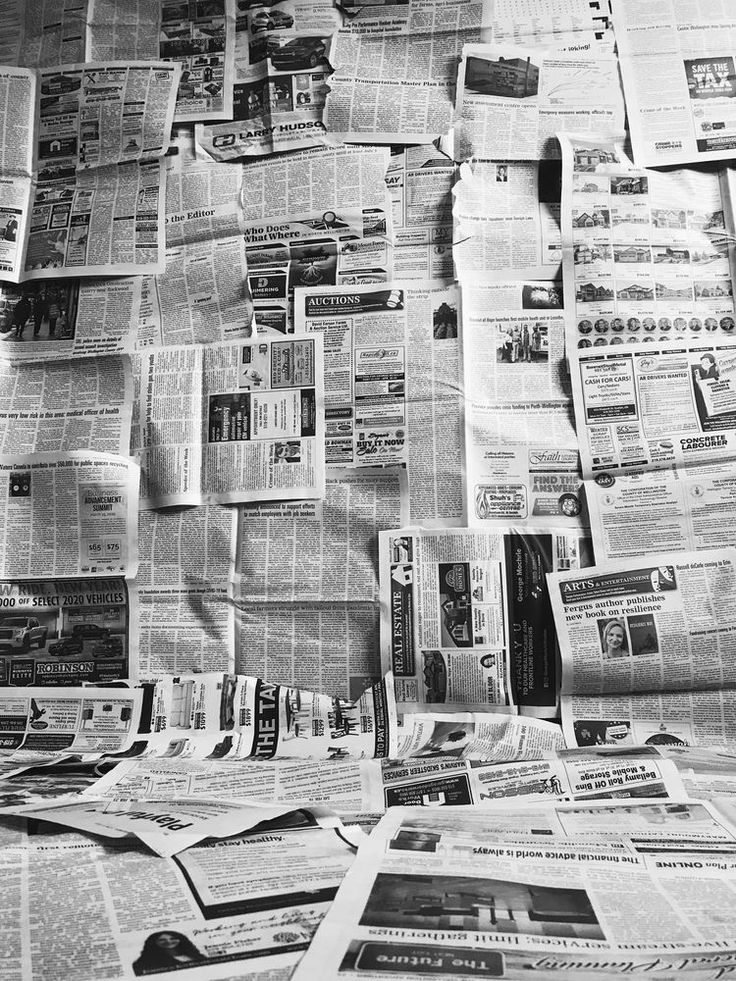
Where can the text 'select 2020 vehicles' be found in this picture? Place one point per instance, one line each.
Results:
(21, 632)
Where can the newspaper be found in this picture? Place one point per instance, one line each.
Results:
(186, 622)
(68, 514)
(167, 828)
(653, 624)
(73, 719)
(209, 914)
(666, 719)
(648, 256)
(507, 220)
(396, 66)
(522, 466)
(199, 36)
(313, 618)
(466, 617)
(232, 422)
(66, 631)
(58, 406)
(676, 510)
(11, 42)
(351, 786)
(52, 34)
(419, 180)
(514, 342)
(484, 895)
(202, 296)
(654, 407)
(521, 455)
(678, 75)
(316, 217)
(483, 736)
(281, 79)
(500, 20)
(69, 318)
(393, 384)
(705, 773)
(393, 87)
(511, 101)
(237, 716)
(78, 166)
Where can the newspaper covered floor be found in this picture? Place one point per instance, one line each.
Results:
(367, 421)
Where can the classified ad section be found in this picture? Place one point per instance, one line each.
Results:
(655, 407)
(383, 342)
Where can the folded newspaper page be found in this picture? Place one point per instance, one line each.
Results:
(662, 625)
(648, 255)
(392, 377)
(354, 786)
(232, 422)
(202, 296)
(396, 65)
(504, 892)
(167, 827)
(466, 617)
(281, 80)
(237, 716)
(511, 101)
(678, 74)
(208, 914)
(507, 220)
(313, 619)
(483, 736)
(88, 195)
(74, 719)
(648, 640)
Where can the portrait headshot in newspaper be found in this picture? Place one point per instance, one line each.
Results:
(707, 368)
(613, 638)
(166, 950)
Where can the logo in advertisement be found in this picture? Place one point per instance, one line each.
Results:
(605, 479)
(455, 578)
(369, 443)
(648, 364)
(565, 458)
